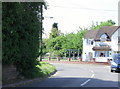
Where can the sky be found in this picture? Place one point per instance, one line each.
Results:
(73, 14)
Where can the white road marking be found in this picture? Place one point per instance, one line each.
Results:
(88, 79)
(92, 75)
(107, 66)
(85, 82)
(92, 71)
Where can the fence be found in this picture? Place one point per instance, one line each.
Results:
(75, 59)
(62, 59)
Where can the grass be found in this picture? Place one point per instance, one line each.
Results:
(41, 70)
(46, 68)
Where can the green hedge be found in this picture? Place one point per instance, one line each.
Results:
(20, 34)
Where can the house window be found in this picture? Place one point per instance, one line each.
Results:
(103, 44)
(96, 53)
(118, 39)
(89, 41)
(104, 37)
(102, 54)
(86, 41)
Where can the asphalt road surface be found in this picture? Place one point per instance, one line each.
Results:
(79, 75)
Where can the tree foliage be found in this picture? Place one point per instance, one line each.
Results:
(106, 23)
(55, 25)
(58, 45)
(54, 31)
(20, 33)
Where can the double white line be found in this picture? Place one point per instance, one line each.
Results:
(88, 79)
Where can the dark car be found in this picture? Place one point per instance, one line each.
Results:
(115, 63)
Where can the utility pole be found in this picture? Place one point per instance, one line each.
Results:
(43, 3)
(41, 27)
(119, 13)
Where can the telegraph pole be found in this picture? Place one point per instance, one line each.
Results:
(119, 13)
(43, 3)
(41, 27)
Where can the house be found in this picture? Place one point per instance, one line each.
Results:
(101, 44)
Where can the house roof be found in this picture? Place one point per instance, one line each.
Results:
(95, 34)
(109, 30)
(91, 34)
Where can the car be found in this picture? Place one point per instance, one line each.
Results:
(115, 63)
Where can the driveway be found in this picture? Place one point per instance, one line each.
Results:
(79, 75)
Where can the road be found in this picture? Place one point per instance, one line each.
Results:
(79, 75)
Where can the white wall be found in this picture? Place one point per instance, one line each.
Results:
(86, 49)
(114, 39)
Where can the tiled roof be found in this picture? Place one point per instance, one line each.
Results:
(91, 34)
(95, 34)
(109, 30)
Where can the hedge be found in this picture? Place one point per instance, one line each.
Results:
(20, 34)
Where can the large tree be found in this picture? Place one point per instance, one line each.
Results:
(20, 31)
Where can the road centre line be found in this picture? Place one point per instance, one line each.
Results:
(84, 83)
(92, 71)
(92, 75)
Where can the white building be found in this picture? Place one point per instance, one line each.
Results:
(101, 44)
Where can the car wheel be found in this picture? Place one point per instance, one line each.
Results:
(111, 70)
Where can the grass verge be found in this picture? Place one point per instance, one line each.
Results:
(41, 71)
(46, 68)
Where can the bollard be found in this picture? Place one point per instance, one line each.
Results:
(93, 60)
(49, 58)
(58, 58)
(80, 59)
(108, 61)
(69, 59)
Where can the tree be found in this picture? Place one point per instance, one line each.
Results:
(55, 25)
(54, 31)
(74, 41)
(21, 28)
(106, 23)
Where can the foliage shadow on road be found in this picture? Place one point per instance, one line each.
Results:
(70, 83)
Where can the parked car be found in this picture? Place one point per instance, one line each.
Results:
(115, 63)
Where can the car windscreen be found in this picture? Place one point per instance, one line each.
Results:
(117, 58)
